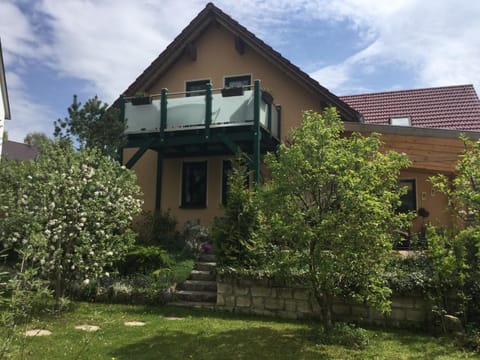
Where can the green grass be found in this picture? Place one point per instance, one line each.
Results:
(211, 335)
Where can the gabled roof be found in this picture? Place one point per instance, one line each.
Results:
(449, 107)
(212, 14)
(3, 86)
(13, 150)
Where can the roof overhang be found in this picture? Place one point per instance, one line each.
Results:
(3, 86)
(411, 131)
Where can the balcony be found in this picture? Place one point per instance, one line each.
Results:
(223, 121)
(175, 112)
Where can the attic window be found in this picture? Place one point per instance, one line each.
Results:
(401, 121)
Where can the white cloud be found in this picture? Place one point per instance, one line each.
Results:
(438, 40)
(108, 43)
(28, 116)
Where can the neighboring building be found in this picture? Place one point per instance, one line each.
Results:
(179, 143)
(4, 104)
(425, 124)
(447, 107)
(13, 150)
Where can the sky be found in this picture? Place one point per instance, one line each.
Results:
(56, 48)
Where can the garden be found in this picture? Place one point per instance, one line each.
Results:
(76, 251)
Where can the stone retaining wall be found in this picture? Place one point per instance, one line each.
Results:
(263, 298)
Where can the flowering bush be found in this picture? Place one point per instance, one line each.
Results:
(72, 209)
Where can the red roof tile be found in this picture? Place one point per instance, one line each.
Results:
(449, 107)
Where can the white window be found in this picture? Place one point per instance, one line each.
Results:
(401, 121)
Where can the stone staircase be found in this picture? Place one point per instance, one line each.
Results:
(200, 290)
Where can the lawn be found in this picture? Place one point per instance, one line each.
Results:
(178, 333)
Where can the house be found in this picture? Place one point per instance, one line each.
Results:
(4, 104)
(180, 143)
(426, 125)
(217, 88)
(13, 150)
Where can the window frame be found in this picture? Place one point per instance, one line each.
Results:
(189, 93)
(406, 118)
(224, 180)
(202, 202)
(237, 77)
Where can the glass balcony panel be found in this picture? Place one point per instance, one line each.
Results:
(142, 118)
(185, 112)
(232, 110)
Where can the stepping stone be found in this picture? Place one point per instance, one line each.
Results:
(134, 323)
(38, 332)
(173, 318)
(89, 328)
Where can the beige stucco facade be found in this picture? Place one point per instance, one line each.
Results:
(216, 58)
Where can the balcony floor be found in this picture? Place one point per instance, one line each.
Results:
(193, 141)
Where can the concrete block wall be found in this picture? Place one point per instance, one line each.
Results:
(264, 298)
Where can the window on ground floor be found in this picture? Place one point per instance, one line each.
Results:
(409, 199)
(194, 184)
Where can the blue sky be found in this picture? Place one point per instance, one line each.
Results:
(56, 48)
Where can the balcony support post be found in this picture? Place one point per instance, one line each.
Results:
(279, 122)
(158, 190)
(269, 117)
(163, 113)
(257, 135)
(208, 110)
(122, 121)
(139, 153)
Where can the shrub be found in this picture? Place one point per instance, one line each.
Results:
(145, 259)
(158, 229)
(342, 334)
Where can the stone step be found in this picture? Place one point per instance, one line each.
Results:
(197, 296)
(205, 266)
(202, 275)
(207, 258)
(193, 304)
(198, 285)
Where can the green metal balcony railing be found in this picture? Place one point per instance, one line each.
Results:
(217, 108)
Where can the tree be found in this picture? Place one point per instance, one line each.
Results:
(37, 139)
(234, 232)
(71, 209)
(455, 252)
(330, 211)
(93, 125)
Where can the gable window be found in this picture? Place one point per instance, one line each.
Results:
(196, 87)
(401, 121)
(238, 81)
(409, 199)
(194, 184)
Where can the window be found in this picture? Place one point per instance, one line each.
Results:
(409, 199)
(196, 88)
(238, 81)
(401, 121)
(194, 184)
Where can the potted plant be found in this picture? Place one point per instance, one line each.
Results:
(232, 91)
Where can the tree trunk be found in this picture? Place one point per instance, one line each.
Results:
(58, 290)
(325, 302)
